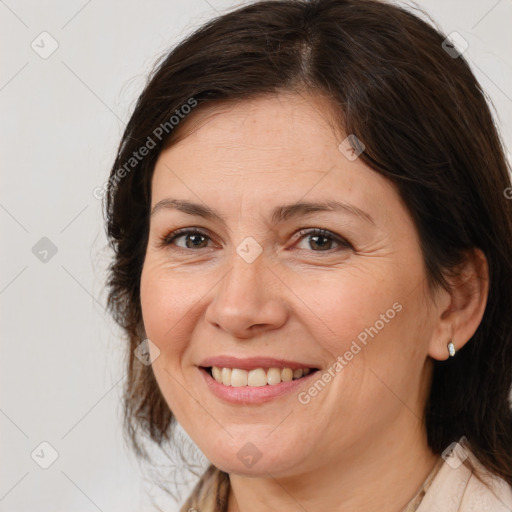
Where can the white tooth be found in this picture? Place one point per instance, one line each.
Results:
(238, 377)
(297, 374)
(226, 376)
(257, 377)
(217, 373)
(286, 374)
(273, 376)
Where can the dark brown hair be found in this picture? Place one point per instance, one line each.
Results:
(426, 126)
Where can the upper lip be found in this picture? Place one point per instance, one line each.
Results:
(251, 363)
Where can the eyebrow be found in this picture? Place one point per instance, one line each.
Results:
(279, 213)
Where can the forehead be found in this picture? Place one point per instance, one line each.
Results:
(267, 150)
(278, 122)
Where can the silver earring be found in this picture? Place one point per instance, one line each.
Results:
(451, 348)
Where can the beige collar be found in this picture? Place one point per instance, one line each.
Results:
(456, 487)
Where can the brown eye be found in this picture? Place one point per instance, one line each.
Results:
(193, 239)
(323, 240)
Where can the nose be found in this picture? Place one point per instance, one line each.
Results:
(248, 300)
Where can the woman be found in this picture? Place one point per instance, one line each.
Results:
(313, 242)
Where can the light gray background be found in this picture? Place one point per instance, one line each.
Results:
(61, 370)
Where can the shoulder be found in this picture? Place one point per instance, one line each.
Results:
(463, 487)
(489, 492)
(496, 496)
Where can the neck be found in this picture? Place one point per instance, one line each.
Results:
(378, 476)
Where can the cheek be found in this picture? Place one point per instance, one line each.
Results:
(164, 304)
(370, 317)
(348, 305)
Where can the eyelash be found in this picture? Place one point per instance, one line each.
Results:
(169, 238)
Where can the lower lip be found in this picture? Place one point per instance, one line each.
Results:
(252, 394)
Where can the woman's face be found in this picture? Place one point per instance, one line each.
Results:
(254, 287)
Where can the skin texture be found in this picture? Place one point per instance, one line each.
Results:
(360, 444)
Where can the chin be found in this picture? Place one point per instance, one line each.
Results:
(256, 458)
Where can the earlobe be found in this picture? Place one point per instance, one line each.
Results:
(460, 316)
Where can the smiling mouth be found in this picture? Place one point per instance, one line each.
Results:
(258, 377)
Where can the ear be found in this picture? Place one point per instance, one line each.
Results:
(461, 309)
